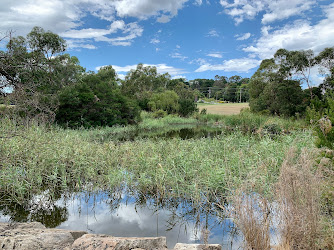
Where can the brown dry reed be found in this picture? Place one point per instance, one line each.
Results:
(251, 213)
(296, 212)
(299, 200)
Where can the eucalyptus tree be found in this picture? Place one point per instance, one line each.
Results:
(272, 87)
(35, 67)
(325, 60)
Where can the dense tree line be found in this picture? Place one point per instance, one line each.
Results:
(231, 89)
(276, 87)
(46, 83)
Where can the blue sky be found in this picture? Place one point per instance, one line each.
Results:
(187, 38)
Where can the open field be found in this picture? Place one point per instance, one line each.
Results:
(223, 109)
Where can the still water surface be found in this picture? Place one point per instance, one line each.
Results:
(126, 216)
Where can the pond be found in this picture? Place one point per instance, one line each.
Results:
(128, 216)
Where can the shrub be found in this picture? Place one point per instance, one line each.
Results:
(159, 114)
(322, 119)
(187, 107)
(104, 105)
(167, 101)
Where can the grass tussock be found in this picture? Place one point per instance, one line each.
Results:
(299, 192)
(296, 211)
(252, 216)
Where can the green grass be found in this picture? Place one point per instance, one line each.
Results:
(37, 157)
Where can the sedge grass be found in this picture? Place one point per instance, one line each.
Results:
(38, 157)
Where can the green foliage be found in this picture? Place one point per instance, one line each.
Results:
(96, 102)
(321, 117)
(36, 69)
(187, 107)
(142, 80)
(159, 114)
(271, 89)
(69, 159)
(167, 101)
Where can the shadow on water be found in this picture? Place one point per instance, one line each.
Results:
(129, 215)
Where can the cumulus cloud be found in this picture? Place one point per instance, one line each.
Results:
(300, 35)
(239, 65)
(66, 17)
(161, 68)
(243, 37)
(273, 10)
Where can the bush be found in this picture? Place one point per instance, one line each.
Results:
(187, 107)
(104, 105)
(159, 114)
(203, 111)
(322, 120)
(167, 101)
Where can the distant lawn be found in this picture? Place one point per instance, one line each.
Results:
(223, 108)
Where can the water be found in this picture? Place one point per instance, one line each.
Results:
(128, 216)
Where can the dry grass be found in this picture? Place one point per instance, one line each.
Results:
(297, 211)
(224, 108)
(251, 214)
(299, 201)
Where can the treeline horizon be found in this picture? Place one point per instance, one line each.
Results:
(48, 83)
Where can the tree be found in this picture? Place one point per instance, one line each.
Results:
(271, 91)
(167, 101)
(325, 60)
(144, 79)
(96, 101)
(296, 65)
(36, 69)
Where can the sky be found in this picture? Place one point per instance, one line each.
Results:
(186, 38)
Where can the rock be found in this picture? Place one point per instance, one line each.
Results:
(35, 236)
(181, 246)
(99, 241)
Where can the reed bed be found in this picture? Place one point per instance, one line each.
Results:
(36, 157)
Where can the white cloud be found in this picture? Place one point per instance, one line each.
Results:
(164, 19)
(198, 2)
(146, 8)
(243, 37)
(179, 76)
(155, 41)
(66, 16)
(178, 46)
(213, 33)
(130, 31)
(178, 55)
(199, 61)
(273, 10)
(93, 33)
(74, 44)
(215, 55)
(300, 35)
(161, 68)
(239, 65)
